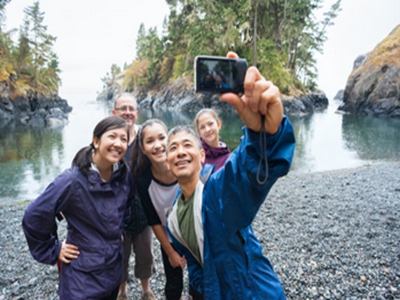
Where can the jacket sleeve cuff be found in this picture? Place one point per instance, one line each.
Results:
(254, 137)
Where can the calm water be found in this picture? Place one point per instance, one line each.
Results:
(30, 158)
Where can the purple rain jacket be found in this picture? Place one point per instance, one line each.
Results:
(216, 156)
(96, 213)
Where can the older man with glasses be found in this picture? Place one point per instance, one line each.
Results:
(125, 106)
(138, 235)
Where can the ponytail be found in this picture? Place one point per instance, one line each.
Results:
(83, 159)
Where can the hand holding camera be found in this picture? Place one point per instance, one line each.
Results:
(260, 97)
(216, 74)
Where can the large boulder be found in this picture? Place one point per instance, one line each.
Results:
(35, 110)
(339, 95)
(373, 87)
(304, 104)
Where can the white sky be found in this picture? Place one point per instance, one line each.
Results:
(92, 35)
(359, 27)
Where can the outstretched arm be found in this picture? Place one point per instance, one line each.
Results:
(259, 156)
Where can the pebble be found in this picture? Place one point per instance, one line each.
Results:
(329, 235)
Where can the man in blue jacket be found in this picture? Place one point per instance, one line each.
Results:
(210, 223)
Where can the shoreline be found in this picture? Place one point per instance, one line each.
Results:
(336, 234)
(329, 235)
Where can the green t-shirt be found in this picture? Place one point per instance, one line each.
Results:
(186, 224)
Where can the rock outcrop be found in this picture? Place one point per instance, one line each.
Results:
(339, 95)
(180, 96)
(32, 105)
(305, 104)
(373, 88)
(34, 110)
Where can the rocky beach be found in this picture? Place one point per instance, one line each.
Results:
(329, 235)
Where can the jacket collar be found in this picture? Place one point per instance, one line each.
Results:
(215, 152)
(97, 183)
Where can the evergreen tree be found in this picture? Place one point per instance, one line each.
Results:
(5, 40)
(22, 54)
(111, 76)
(41, 43)
(3, 4)
(280, 37)
(30, 65)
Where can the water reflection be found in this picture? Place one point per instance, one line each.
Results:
(170, 118)
(371, 137)
(231, 129)
(30, 159)
(303, 134)
(27, 155)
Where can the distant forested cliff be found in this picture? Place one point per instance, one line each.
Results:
(29, 72)
(280, 37)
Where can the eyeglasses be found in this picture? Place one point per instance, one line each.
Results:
(126, 108)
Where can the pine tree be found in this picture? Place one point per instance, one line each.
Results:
(41, 43)
(280, 37)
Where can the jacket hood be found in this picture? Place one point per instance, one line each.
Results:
(216, 156)
(215, 152)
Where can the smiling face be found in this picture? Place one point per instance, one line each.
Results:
(154, 142)
(110, 147)
(184, 156)
(125, 107)
(208, 127)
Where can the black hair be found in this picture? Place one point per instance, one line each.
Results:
(83, 159)
(140, 162)
(187, 129)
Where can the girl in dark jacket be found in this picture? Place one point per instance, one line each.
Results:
(208, 125)
(94, 196)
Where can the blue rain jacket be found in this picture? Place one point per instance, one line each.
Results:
(96, 213)
(232, 264)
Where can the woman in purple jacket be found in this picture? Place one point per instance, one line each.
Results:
(94, 195)
(208, 125)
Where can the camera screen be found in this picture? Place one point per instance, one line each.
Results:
(218, 74)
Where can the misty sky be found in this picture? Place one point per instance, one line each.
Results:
(92, 35)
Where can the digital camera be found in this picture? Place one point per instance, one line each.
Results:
(217, 74)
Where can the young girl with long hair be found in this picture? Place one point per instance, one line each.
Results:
(208, 124)
(157, 189)
(94, 196)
